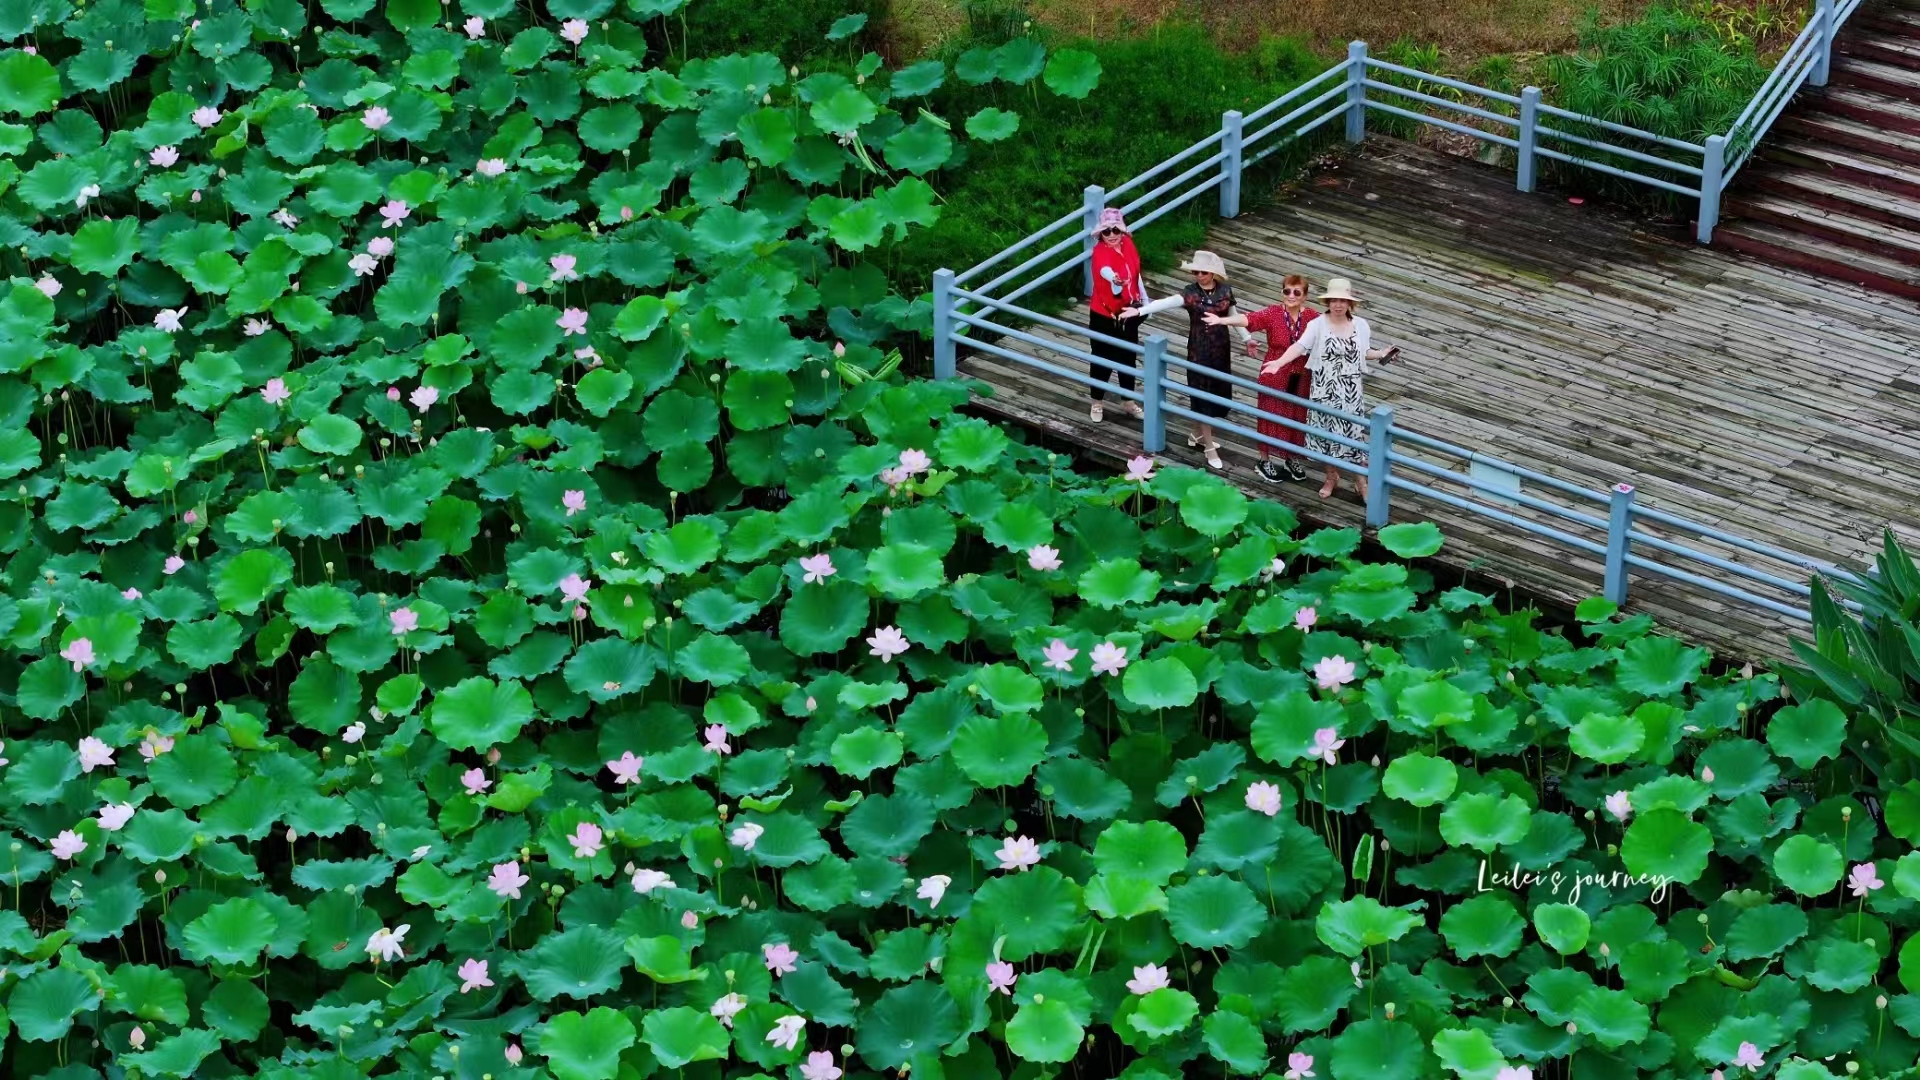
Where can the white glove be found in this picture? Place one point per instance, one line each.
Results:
(1107, 275)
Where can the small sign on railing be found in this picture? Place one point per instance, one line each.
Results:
(1495, 476)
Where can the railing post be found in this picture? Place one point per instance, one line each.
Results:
(1529, 119)
(1153, 371)
(943, 324)
(1379, 447)
(1092, 201)
(1822, 42)
(1619, 526)
(1711, 166)
(1356, 91)
(1230, 128)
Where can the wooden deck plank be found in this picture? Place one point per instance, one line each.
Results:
(1570, 340)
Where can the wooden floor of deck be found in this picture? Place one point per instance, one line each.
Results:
(1572, 340)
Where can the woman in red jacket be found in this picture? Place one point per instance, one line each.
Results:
(1116, 286)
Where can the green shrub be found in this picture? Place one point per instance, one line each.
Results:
(793, 30)
(1669, 72)
(1158, 94)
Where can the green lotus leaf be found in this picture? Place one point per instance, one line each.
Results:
(1074, 73)
(587, 1046)
(992, 124)
(1162, 683)
(1808, 865)
(44, 1004)
(1563, 927)
(1214, 912)
(1163, 1013)
(907, 1022)
(1665, 843)
(232, 932)
(479, 713)
(1350, 927)
(1485, 821)
(1608, 740)
(1808, 733)
(1044, 1032)
(1382, 1049)
(1036, 911)
(1484, 925)
(1420, 780)
(578, 962)
(1468, 1053)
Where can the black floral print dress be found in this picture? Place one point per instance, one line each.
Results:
(1209, 345)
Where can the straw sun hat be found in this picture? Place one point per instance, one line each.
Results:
(1206, 262)
(1340, 289)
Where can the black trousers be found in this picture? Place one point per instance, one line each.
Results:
(1127, 330)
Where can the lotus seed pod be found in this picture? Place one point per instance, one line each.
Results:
(1506, 1003)
(1853, 1067)
(1846, 812)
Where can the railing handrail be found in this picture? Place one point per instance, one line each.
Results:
(1806, 61)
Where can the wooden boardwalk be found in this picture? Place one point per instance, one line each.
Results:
(1571, 340)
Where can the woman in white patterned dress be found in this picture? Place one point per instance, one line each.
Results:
(1338, 348)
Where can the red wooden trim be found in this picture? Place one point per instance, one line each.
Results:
(1729, 236)
(1867, 114)
(1831, 235)
(1854, 77)
(1880, 54)
(1811, 128)
(1774, 185)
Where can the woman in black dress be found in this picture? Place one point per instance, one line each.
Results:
(1207, 346)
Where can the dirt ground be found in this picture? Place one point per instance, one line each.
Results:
(1464, 30)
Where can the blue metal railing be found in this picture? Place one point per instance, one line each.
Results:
(1616, 526)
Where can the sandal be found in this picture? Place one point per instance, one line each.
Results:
(1213, 458)
(1134, 410)
(1097, 413)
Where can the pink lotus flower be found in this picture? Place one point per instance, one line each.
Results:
(67, 844)
(932, 889)
(473, 975)
(256, 327)
(1518, 1072)
(491, 167)
(645, 881)
(393, 393)
(475, 26)
(893, 477)
(354, 733)
(1333, 672)
(819, 1066)
(573, 588)
(168, 319)
(1620, 805)
(1706, 774)
(625, 768)
(689, 920)
(423, 397)
(130, 593)
(91, 191)
(1042, 557)
(580, 613)
(1263, 798)
(275, 391)
(887, 643)
(1274, 569)
(745, 836)
(780, 958)
(1018, 853)
(572, 321)
(586, 840)
(1299, 1066)
(1749, 1056)
(93, 754)
(475, 781)
(205, 117)
(1304, 619)
(915, 462)
(1148, 978)
(79, 654)
(155, 744)
(163, 157)
(285, 217)
(514, 1053)
(1108, 658)
(190, 517)
(816, 568)
(137, 1038)
(1059, 655)
(404, 620)
(376, 118)
(574, 30)
(506, 880)
(1000, 976)
(384, 944)
(1326, 745)
(786, 1032)
(1864, 879)
(626, 213)
(728, 1007)
(363, 265)
(573, 501)
(114, 816)
(393, 213)
(716, 739)
(1140, 469)
(563, 268)
(49, 286)
(173, 565)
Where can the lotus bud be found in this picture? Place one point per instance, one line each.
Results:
(1853, 1067)
(1706, 774)
(291, 835)
(690, 920)
(1572, 1029)
(1376, 761)
(493, 756)
(1589, 815)
(1701, 918)
(1880, 1002)
(159, 876)
(626, 601)
(1604, 950)
(137, 1038)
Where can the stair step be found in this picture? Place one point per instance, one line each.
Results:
(1900, 52)
(1835, 192)
(1885, 78)
(1866, 139)
(1816, 256)
(1834, 225)
(1883, 23)
(1876, 172)
(1865, 106)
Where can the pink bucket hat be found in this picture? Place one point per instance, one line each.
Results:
(1111, 218)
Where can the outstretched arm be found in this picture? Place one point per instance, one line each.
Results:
(1294, 352)
(1224, 320)
(1165, 303)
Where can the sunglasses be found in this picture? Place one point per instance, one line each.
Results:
(1293, 292)
(1109, 232)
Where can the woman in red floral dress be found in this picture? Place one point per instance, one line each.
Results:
(1283, 323)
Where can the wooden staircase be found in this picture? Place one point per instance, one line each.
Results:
(1834, 189)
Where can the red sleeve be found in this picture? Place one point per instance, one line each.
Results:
(1259, 321)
